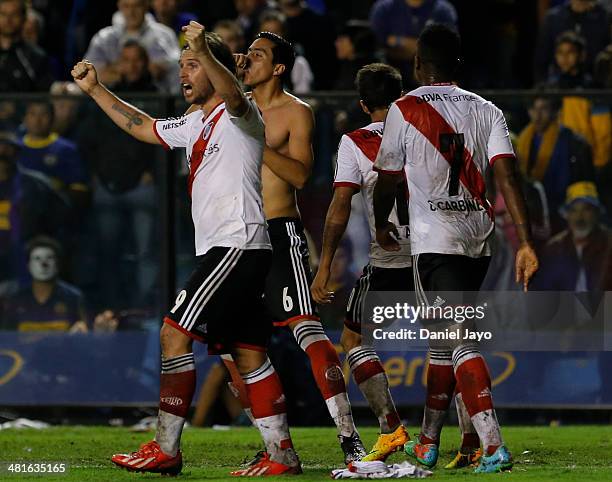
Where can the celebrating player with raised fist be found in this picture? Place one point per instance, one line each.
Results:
(224, 140)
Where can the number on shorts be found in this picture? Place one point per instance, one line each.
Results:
(453, 143)
(179, 301)
(287, 301)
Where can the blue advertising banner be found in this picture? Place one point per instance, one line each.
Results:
(123, 369)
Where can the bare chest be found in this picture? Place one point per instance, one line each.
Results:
(277, 129)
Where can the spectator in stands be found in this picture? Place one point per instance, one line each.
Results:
(582, 115)
(9, 214)
(580, 257)
(23, 66)
(52, 156)
(133, 68)
(398, 23)
(316, 34)
(587, 18)
(45, 303)
(249, 12)
(124, 204)
(301, 74)
(167, 13)
(231, 33)
(33, 27)
(603, 80)
(28, 207)
(568, 70)
(355, 47)
(603, 69)
(552, 154)
(65, 97)
(133, 22)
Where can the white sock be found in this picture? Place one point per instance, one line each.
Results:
(169, 429)
(487, 426)
(340, 410)
(273, 430)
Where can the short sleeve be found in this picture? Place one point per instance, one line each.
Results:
(347, 168)
(392, 152)
(499, 144)
(250, 122)
(174, 131)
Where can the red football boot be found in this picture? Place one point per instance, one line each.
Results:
(150, 458)
(266, 467)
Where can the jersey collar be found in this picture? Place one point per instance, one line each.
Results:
(40, 143)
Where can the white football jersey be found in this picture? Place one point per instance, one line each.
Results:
(224, 154)
(354, 168)
(445, 139)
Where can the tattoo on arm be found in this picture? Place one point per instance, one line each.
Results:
(132, 117)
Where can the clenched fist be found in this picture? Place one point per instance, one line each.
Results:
(85, 76)
(195, 36)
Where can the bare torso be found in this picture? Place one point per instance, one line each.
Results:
(278, 195)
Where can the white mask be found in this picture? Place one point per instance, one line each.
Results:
(43, 264)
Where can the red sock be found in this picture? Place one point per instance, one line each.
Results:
(469, 441)
(323, 357)
(237, 381)
(326, 368)
(474, 382)
(367, 370)
(177, 384)
(440, 388)
(265, 392)
(372, 380)
(469, 438)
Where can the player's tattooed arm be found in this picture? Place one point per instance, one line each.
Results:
(336, 221)
(132, 120)
(294, 168)
(384, 198)
(225, 83)
(509, 181)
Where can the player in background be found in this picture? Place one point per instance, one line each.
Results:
(378, 86)
(444, 140)
(221, 302)
(288, 159)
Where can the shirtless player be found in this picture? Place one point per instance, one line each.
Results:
(288, 161)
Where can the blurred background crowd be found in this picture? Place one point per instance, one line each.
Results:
(81, 236)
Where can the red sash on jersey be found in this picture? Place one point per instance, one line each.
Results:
(367, 141)
(430, 123)
(199, 148)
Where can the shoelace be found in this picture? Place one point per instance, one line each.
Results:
(149, 448)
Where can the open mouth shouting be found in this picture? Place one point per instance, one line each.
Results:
(187, 89)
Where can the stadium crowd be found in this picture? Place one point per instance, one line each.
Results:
(88, 195)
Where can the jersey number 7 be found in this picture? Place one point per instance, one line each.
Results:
(453, 143)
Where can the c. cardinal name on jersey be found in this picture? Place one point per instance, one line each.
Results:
(461, 205)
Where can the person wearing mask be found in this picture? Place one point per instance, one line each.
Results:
(46, 303)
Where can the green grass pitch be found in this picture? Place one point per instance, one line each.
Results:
(541, 453)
